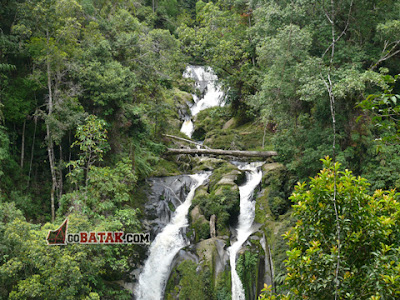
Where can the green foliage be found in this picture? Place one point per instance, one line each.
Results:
(192, 285)
(292, 45)
(385, 110)
(223, 286)
(110, 84)
(247, 269)
(4, 149)
(33, 269)
(209, 119)
(368, 233)
(122, 61)
(220, 39)
(202, 229)
(278, 186)
(92, 139)
(92, 143)
(224, 205)
(106, 191)
(382, 169)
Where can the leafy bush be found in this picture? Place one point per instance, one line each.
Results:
(247, 268)
(30, 268)
(225, 205)
(193, 285)
(366, 244)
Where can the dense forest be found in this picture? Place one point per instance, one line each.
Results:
(89, 89)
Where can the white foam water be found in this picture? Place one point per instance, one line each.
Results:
(187, 127)
(206, 82)
(166, 245)
(246, 218)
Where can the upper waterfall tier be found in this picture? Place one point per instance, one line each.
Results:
(210, 93)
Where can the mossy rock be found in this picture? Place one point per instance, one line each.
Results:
(164, 168)
(223, 187)
(272, 211)
(278, 184)
(230, 124)
(222, 198)
(208, 120)
(266, 168)
(262, 210)
(196, 215)
(206, 251)
(228, 171)
(201, 192)
(173, 281)
(225, 205)
(229, 139)
(230, 136)
(206, 163)
(177, 103)
(199, 225)
(279, 247)
(188, 282)
(232, 178)
(252, 136)
(182, 97)
(209, 256)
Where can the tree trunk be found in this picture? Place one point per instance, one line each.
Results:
(238, 153)
(23, 144)
(60, 174)
(185, 140)
(50, 146)
(32, 150)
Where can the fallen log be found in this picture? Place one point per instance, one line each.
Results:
(185, 140)
(223, 152)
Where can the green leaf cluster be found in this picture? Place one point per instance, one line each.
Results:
(362, 252)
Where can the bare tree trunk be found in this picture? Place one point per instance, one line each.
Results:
(185, 140)
(69, 150)
(132, 155)
(238, 153)
(23, 144)
(32, 150)
(328, 81)
(50, 146)
(60, 174)
(50, 151)
(265, 132)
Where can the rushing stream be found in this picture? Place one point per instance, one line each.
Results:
(163, 249)
(170, 240)
(246, 218)
(206, 82)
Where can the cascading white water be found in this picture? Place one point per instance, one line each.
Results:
(206, 82)
(163, 249)
(244, 228)
(187, 127)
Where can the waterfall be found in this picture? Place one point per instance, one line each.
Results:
(187, 127)
(163, 249)
(206, 82)
(246, 218)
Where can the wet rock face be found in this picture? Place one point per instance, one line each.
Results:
(166, 194)
(212, 253)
